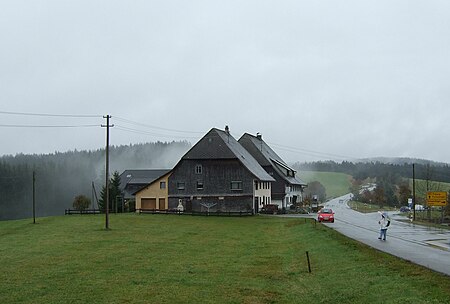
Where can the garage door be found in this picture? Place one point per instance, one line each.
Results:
(148, 203)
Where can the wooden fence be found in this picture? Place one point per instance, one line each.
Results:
(200, 213)
(85, 211)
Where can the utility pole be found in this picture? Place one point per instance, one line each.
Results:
(414, 194)
(107, 170)
(34, 197)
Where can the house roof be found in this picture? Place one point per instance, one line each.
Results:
(132, 179)
(265, 156)
(218, 144)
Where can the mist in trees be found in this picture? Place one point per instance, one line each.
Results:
(60, 177)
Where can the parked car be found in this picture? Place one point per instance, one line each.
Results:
(419, 207)
(405, 209)
(325, 215)
(270, 209)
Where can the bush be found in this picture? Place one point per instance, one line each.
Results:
(81, 202)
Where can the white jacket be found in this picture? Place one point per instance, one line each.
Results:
(383, 223)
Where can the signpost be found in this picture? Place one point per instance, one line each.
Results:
(437, 198)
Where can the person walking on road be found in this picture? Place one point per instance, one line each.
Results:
(384, 223)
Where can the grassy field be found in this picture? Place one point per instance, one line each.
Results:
(336, 184)
(367, 208)
(185, 259)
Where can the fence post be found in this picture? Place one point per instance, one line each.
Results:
(309, 264)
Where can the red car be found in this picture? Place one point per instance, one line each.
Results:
(325, 215)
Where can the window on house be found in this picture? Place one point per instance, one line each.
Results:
(199, 185)
(180, 186)
(256, 185)
(236, 185)
(162, 185)
(198, 169)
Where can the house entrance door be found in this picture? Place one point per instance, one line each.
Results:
(188, 205)
(162, 203)
(256, 209)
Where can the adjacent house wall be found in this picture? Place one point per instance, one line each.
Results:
(155, 195)
(263, 193)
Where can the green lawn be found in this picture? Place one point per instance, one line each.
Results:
(186, 259)
(336, 184)
(367, 208)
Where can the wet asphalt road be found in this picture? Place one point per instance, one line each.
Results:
(429, 247)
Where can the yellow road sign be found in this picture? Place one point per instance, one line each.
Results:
(437, 198)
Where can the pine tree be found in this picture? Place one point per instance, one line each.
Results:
(115, 195)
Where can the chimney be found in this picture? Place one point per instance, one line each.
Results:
(259, 136)
(227, 130)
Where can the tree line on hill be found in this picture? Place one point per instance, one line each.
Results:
(62, 176)
(393, 182)
(361, 170)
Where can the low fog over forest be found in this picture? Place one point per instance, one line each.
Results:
(62, 176)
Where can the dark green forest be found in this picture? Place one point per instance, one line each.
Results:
(60, 177)
(424, 170)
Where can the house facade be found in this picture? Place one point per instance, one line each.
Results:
(133, 180)
(287, 188)
(153, 196)
(218, 174)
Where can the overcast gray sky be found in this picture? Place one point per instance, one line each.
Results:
(329, 79)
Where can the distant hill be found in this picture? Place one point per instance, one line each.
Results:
(377, 167)
(400, 161)
(63, 175)
(336, 184)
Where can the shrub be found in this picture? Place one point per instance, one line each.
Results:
(81, 202)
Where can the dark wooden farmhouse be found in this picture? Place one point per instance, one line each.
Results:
(287, 188)
(218, 174)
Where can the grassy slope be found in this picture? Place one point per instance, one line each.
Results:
(336, 184)
(184, 259)
(421, 187)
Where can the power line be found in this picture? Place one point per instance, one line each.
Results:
(48, 126)
(50, 115)
(309, 152)
(144, 132)
(154, 127)
(137, 131)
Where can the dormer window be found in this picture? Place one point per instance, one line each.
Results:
(198, 169)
